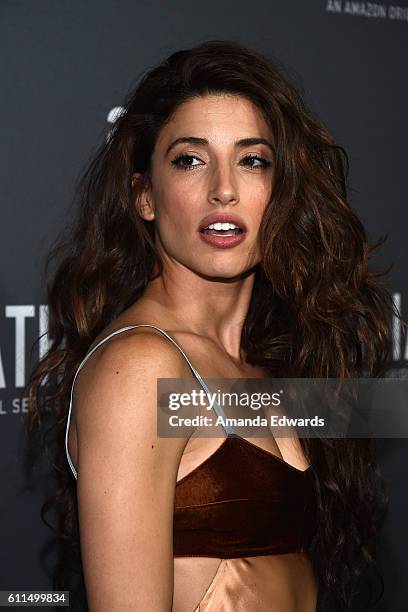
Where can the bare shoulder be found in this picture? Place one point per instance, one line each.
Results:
(126, 473)
(123, 372)
(138, 350)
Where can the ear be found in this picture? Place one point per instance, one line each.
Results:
(142, 198)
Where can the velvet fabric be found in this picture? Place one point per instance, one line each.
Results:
(243, 501)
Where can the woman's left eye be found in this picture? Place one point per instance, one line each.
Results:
(264, 163)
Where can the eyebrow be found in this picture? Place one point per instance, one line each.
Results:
(243, 142)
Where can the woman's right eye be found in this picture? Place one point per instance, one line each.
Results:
(184, 162)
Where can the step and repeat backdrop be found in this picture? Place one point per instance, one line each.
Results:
(65, 70)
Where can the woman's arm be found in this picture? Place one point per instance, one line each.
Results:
(127, 475)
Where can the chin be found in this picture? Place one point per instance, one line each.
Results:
(224, 272)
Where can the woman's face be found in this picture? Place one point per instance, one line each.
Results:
(215, 156)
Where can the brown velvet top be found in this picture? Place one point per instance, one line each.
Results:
(243, 501)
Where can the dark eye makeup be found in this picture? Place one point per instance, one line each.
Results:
(178, 161)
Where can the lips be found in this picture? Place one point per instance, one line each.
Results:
(222, 218)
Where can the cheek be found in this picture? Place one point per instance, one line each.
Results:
(257, 199)
(176, 212)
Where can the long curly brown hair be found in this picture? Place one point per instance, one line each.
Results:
(316, 309)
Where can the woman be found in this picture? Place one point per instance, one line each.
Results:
(149, 286)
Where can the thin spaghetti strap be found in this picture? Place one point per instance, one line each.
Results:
(218, 409)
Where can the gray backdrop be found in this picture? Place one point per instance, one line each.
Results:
(65, 65)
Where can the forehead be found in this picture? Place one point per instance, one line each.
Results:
(218, 117)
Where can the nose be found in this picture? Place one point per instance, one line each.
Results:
(223, 190)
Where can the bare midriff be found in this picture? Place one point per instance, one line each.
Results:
(273, 583)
